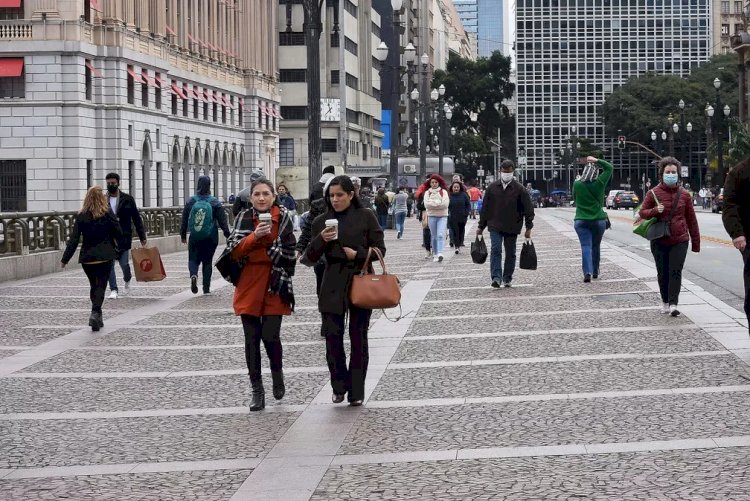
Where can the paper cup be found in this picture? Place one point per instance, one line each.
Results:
(333, 223)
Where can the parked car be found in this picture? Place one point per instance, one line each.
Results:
(609, 202)
(625, 199)
(717, 204)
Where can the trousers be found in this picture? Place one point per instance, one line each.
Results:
(268, 330)
(349, 379)
(122, 258)
(437, 231)
(502, 272)
(98, 274)
(669, 260)
(746, 257)
(590, 234)
(201, 253)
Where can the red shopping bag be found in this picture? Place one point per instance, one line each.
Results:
(147, 264)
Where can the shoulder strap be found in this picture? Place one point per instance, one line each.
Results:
(675, 202)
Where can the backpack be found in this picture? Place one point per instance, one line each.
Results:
(201, 222)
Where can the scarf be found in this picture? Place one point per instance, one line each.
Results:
(590, 173)
(281, 252)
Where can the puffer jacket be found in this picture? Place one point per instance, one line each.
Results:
(684, 224)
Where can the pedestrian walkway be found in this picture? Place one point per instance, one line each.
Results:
(552, 388)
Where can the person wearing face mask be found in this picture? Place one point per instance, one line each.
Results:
(506, 206)
(123, 206)
(669, 202)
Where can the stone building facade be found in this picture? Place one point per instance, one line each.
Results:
(160, 91)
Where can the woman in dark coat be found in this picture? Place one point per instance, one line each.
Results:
(458, 213)
(100, 230)
(345, 254)
(381, 207)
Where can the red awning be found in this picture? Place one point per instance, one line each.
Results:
(277, 113)
(177, 91)
(171, 31)
(151, 81)
(160, 82)
(136, 77)
(201, 42)
(10, 4)
(225, 101)
(95, 5)
(94, 71)
(242, 105)
(263, 108)
(192, 38)
(11, 66)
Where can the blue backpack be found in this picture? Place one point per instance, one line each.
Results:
(201, 222)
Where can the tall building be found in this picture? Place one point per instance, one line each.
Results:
(570, 57)
(490, 21)
(350, 90)
(728, 19)
(159, 91)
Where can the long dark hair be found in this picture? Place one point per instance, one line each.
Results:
(346, 184)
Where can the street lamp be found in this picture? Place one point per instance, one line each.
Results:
(719, 131)
(689, 129)
(424, 60)
(681, 104)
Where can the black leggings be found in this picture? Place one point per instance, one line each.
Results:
(670, 260)
(98, 275)
(351, 379)
(268, 330)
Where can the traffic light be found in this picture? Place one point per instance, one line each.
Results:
(621, 142)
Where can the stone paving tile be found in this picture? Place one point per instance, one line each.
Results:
(83, 290)
(124, 303)
(172, 360)
(218, 485)
(13, 321)
(671, 475)
(30, 337)
(553, 422)
(140, 440)
(531, 289)
(560, 377)
(125, 394)
(225, 317)
(555, 345)
(601, 318)
(8, 353)
(552, 277)
(58, 283)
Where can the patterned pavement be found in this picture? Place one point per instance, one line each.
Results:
(550, 389)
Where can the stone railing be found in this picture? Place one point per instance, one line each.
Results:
(16, 30)
(23, 233)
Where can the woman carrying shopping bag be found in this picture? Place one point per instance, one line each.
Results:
(344, 236)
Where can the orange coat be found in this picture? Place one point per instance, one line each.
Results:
(251, 296)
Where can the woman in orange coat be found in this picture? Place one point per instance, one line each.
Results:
(263, 259)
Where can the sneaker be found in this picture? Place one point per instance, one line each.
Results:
(194, 284)
(457, 251)
(127, 287)
(587, 278)
(435, 259)
(113, 294)
(440, 258)
(665, 308)
(496, 284)
(673, 311)
(506, 283)
(429, 255)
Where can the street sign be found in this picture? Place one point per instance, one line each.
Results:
(480, 172)
(684, 172)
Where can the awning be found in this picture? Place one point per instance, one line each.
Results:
(201, 42)
(177, 91)
(212, 46)
(197, 94)
(263, 108)
(160, 82)
(95, 5)
(136, 77)
(151, 81)
(242, 105)
(277, 113)
(170, 31)
(225, 101)
(94, 72)
(10, 4)
(192, 38)
(11, 67)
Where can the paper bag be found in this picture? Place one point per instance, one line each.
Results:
(147, 264)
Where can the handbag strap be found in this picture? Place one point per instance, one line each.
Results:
(378, 255)
(674, 204)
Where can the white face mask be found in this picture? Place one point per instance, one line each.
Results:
(506, 177)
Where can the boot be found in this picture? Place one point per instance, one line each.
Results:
(95, 321)
(258, 401)
(278, 385)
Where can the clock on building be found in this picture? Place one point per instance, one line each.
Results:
(330, 110)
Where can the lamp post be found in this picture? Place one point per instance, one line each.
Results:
(422, 97)
(671, 128)
(681, 104)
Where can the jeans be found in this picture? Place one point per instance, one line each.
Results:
(268, 330)
(746, 257)
(201, 253)
(499, 240)
(590, 235)
(351, 379)
(669, 262)
(383, 220)
(122, 258)
(437, 230)
(97, 274)
(457, 231)
(400, 220)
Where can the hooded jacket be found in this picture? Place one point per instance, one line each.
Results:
(317, 191)
(203, 192)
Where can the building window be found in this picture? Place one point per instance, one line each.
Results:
(131, 177)
(364, 152)
(89, 80)
(205, 106)
(293, 75)
(294, 112)
(330, 145)
(89, 173)
(216, 107)
(351, 46)
(376, 30)
(241, 112)
(13, 186)
(186, 92)
(288, 38)
(174, 98)
(144, 90)
(196, 106)
(158, 139)
(131, 85)
(352, 116)
(334, 77)
(157, 91)
(738, 7)
(724, 29)
(159, 182)
(725, 7)
(334, 39)
(130, 136)
(350, 8)
(352, 81)
(223, 111)
(11, 13)
(286, 152)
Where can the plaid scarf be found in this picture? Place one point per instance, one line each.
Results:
(281, 251)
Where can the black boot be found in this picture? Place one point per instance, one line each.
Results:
(258, 402)
(278, 385)
(95, 321)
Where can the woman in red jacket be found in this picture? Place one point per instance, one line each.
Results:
(669, 202)
(264, 258)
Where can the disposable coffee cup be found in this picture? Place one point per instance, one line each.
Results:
(264, 217)
(333, 223)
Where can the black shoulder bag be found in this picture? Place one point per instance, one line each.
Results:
(662, 228)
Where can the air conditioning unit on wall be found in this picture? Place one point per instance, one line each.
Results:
(410, 169)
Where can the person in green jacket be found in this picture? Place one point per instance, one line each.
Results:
(591, 220)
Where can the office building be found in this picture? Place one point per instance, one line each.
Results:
(728, 19)
(491, 21)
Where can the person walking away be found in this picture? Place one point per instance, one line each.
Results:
(263, 244)
(669, 202)
(345, 248)
(475, 195)
(124, 207)
(409, 202)
(736, 218)
(506, 207)
(202, 216)
(97, 225)
(458, 213)
(381, 207)
(329, 172)
(286, 199)
(399, 211)
(436, 202)
(590, 219)
(422, 217)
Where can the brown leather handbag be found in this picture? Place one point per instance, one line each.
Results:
(373, 292)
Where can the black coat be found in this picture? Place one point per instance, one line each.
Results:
(317, 191)
(317, 208)
(736, 211)
(359, 230)
(129, 217)
(460, 207)
(100, 237)
(506, 209)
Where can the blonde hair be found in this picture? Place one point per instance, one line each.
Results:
(95, 203)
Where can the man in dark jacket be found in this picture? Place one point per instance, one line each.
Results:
(124, 207)
(506, 206)
(736, 218)
(317, 192)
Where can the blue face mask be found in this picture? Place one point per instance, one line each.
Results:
(670, 179)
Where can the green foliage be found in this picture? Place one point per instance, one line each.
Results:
(737, 148)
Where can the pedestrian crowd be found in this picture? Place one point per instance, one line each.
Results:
(345, 224)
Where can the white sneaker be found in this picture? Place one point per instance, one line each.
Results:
(665, 308)
(435, 259)
(673, 310)
(440, 258)
(113, 295)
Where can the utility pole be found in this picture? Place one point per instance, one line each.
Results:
(313, 27)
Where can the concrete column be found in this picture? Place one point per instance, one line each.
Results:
(158, 17)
